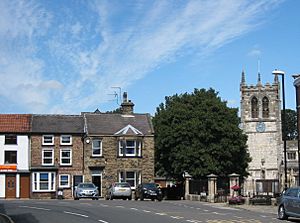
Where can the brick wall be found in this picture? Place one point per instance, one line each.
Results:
(75, 169)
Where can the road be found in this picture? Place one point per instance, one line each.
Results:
(115, 211)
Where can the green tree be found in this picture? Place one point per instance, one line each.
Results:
(291, 124)
(116, 111)
(198, 133)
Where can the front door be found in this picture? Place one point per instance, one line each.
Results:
(25, 186)
(77, 179)
(96, 179)
(10, 186)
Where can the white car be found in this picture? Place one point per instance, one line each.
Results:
(119, 190)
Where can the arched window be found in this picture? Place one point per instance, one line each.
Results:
(265, 107)
(254, 107)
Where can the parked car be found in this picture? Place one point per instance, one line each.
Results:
(289, 204)
(86, 190)
(148, 190)
(119, 190)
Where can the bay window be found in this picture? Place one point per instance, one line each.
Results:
(43, 181)
(131, 177)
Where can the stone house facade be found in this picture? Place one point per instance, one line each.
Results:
(56, 154)
(261, 122)
(292, 163)
(118, 147)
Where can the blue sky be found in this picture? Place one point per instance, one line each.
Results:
(63, 56)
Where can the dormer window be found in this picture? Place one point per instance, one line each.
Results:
(65, 140)
(48, 140)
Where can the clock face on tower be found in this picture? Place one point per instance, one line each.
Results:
(260, 127)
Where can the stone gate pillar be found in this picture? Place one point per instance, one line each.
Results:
(187, 178)
(212, 187)
(233, 183)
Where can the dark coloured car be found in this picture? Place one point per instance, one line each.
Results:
(289, 204)
(148, 191)
(86, 190)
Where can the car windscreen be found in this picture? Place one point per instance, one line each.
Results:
(86, 185)
(122, 185)
(150, 186)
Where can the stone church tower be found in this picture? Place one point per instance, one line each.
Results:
(261, 122)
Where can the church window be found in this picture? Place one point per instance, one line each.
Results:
(265, 106)
(254, 107)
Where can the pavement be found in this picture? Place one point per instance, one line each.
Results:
(258, 208)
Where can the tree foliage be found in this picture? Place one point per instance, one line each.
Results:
(199, 134)
(116, 111)
(291, 124)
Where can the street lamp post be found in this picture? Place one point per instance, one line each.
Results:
(297, 86)
(281, 73)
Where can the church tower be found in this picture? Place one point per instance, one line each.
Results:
(261, 122)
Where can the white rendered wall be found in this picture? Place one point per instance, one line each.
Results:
(2, 185)
(22, 149)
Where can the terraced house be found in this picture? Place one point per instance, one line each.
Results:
(14, 156)
(41, 153)
(56, 154)
(118, 148)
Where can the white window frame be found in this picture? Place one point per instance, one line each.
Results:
(43, 156)
(61, 157)
(36, 182)
(135, 154)
(60, 181)
(48, 143)
(66, 143)
(96, 155)
(136, 177)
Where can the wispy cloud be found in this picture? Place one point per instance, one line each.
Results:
(53, 60)
(255, 52)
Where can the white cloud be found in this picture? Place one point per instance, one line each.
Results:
(255, 53)
(57, 59)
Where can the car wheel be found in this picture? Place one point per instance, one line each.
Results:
(159, 199)
(129, 198)
(111, 197)
(142, 197)
(136, 197)
(152, 199)
(281, 213)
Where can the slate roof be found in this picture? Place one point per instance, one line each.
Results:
(109, 124)
(15, 123)
(58, 124)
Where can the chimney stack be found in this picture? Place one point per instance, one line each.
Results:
(127, 105)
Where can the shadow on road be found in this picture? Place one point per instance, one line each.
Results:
(293, 220)
(20, 218)
(24, 218)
